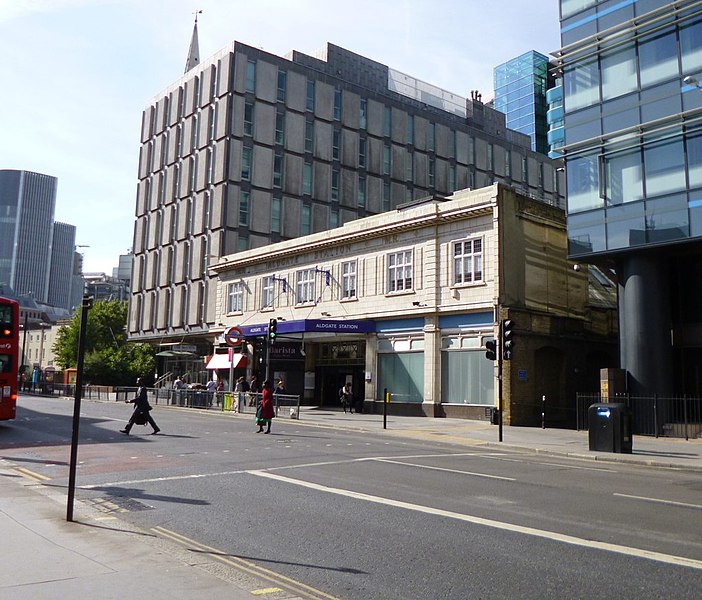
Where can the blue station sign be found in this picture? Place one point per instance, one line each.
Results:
(311, 325)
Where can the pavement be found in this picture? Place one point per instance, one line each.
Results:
(99, 556)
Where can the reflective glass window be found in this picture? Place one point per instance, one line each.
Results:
(624, 177)
(664, 167)
(694, 160)
(695, 214)
(691, 48)
(667, 219)
(618, 73)
(582, 180)
(658, 59)
(626, 226)
(581, 84)
(586, 233)
(660, 101)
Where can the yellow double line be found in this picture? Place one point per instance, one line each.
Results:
(31, 474)
(283, 583)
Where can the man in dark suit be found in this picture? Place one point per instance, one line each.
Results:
(141, 407)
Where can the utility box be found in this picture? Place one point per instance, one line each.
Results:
(609, 428)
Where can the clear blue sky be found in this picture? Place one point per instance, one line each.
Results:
(78, 73)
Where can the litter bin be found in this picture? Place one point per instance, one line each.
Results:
(609, 428)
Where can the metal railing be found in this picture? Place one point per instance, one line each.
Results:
(286, 405)
(667, 416)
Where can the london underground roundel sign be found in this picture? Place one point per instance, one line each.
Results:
(233, 336)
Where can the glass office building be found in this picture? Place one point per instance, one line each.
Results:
(633, 150)
(520, 93)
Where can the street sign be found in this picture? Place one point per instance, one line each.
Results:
(233, 336)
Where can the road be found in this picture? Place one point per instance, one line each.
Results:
(339, 514)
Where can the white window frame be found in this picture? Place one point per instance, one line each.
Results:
(305, 286)
(400, 271)
(467, 256)
(267, 292)
(235, 297)
(349, 280)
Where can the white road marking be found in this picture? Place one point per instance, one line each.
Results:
(157, 479)
(405, 464)
(660, 501)
(537, 462)
(550, 535)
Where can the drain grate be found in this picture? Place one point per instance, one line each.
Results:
(117, 504)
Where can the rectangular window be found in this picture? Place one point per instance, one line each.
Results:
(307, 179)
(400, 271)
(244, 207)
(211, 124)
(210, 165)
(336, 176)
(251, 76)
(306, 225)
(282, 84)
(409, 168)
(278, 170)
(386, 195)
(387, 154)
(468, 261)
(490, 157)
(452, 143)
(276, 207)
(410, 129)
(310, 95)
(387, 121)
(246, 154)
(333, 218)
(194, 134)
(336, 145)
(248, 118)
(304, 286)
(348, 280)
(452, 178)
(337, 104)
(431, 137)
(363, 114)
(525, 171)
(242, 242)
(267, 292)
(362, 153)
(471, 150)
(309, 136)
(361, 191)
(235, 297)
(508, 163)
(280, 127)
(432, 171)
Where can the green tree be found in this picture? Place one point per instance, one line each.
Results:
(109, 358)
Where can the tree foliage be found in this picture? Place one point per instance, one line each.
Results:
(109, 358)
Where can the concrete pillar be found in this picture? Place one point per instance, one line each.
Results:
(645, 346)
(432, 365)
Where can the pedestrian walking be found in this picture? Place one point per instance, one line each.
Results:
(265, 412)
(346, 397)
(142, 409)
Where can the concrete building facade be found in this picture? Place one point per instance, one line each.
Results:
(405, 301)
(27, 202)
(249, 148)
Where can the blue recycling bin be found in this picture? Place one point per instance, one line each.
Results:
(609, 428)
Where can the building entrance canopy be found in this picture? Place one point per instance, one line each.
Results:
(311, 326)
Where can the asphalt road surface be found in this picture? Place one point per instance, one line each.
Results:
(340, 514)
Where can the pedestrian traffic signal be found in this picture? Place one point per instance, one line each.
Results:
(272, 330)
(491, 350)
(507, 339)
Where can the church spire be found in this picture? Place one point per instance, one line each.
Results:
(194, 52)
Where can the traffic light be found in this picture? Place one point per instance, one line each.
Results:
(272, 330)
(507, 338)
(491, 350)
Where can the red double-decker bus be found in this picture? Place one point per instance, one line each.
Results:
(9, 357)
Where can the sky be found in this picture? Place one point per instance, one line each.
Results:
(78, 74)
